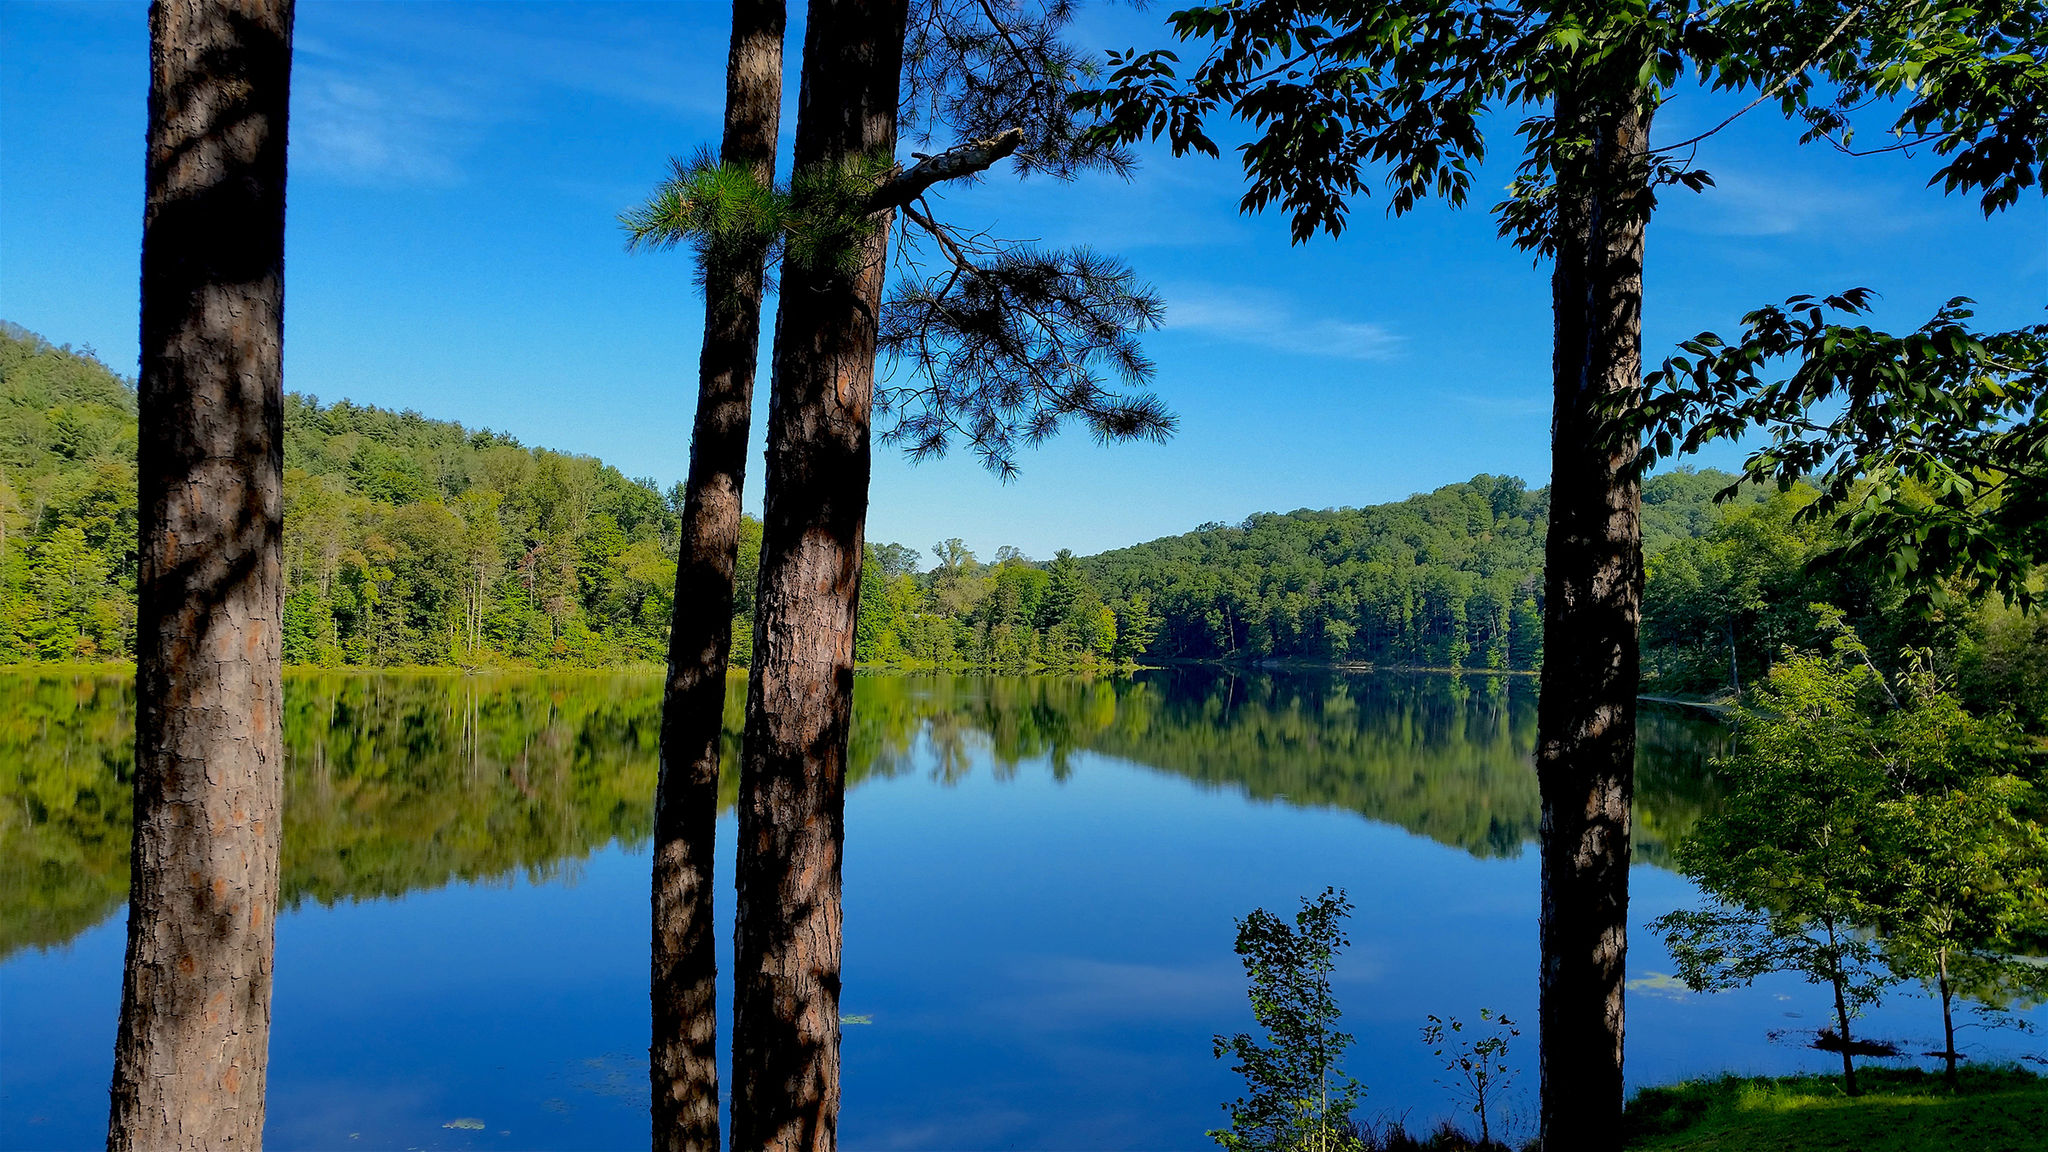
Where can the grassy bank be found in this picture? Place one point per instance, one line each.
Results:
(1999, 1109)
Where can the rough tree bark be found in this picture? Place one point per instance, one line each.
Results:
(1586, 714)
(190, 1053)
(683, 1060)
(800, 691)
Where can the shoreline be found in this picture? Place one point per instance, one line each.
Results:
(127, 668)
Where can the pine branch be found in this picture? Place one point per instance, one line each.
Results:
(965, 159)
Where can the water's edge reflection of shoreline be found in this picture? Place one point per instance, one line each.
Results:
(402, 782)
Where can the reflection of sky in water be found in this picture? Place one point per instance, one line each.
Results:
(1043, 962)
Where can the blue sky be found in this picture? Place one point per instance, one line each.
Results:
(457, 170)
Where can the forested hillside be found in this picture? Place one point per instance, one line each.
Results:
(407, 540)
(67, 504)
(415, 541)
(411, 541)
(1451, 578)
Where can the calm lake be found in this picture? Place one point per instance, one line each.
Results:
(1041, 879)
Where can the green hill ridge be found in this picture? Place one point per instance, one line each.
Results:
(419, 542)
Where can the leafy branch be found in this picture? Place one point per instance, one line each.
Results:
(1934, 462)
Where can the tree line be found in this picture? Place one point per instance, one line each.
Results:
(407, 541)
(417, 542)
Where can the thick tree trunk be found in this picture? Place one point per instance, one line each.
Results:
(800, 692)
(683, 1061)
(1593, 576)
(190, 1053)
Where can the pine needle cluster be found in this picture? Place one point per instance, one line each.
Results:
(1002, 351)
(992, 343)
(972, 68)
(819, 219)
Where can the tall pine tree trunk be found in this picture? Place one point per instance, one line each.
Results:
(684, 980)
(1586, 716)
(193, 1040)
(800, 692)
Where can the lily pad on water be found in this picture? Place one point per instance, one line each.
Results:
(466, 1123)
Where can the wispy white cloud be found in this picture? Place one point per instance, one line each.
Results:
(1660, 984)
(405, 94)
(628, 60)
(373, 123)
(1757, 206)
(1269, 321)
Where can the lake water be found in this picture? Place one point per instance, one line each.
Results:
(1041, 879)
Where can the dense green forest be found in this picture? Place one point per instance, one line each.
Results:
(411, 541)
(407, 540)
(1453, 579)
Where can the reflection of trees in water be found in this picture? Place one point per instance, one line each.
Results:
(1446, 757)
(395, 783)
(392, 783)
(67, 752)
(1675, 750)
(401, 782)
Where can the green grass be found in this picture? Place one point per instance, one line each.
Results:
(1998, 1109)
